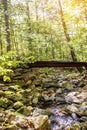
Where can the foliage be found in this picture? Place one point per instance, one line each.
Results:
(7, 62)
(11, 60)
(36, 31)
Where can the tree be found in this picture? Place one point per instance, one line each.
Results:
(1, 49)
(73, 55)
(6, 17)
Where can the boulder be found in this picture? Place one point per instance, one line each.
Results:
(41, 122)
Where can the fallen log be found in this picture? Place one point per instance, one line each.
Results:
(41, 64)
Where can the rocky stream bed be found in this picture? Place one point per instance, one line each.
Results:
(44, 99)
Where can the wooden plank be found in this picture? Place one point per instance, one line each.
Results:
(41, 64)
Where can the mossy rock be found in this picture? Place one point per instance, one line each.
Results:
(8, 92)
(78, 126)
(25, 110)
(15, 87)
(49, 85)
(2, 119)
(38, 112)
(29, 82)
(2, 94)
(11, 127)
(35, 100)
(17, 105)
(41, 122)
(5, 103)
(26, 93)
(14, 96)
(84, 104)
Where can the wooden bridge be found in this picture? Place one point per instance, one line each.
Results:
(41, 64)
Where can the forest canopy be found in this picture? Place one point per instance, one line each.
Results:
(44, 29)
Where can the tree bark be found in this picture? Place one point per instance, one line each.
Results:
(5, 6)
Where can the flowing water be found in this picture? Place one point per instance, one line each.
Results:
(60, 119)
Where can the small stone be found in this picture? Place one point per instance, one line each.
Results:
(15, 87)
(14, 96)
(9, 116)
(2, 85)
(83, 118)
(17, 105)
(2, 119)
(35, 100)
(29, 82)
(25, 110)
(59, 91)
(60, 100)
(2, 93)
(84, 104)
(49, 85)
(72, 108)
(11, 127)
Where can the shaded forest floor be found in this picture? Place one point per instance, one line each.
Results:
(59, 95)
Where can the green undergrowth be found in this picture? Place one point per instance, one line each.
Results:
(11, 60)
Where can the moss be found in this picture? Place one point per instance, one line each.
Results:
(5, 103)
(25, 110)
(17, 105)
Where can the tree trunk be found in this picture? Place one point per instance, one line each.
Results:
(5, 6)
(29, 25)
(72, 52)
(53, 48)
(1, 48)
(65, 32)
(36, 10)
(28, 15)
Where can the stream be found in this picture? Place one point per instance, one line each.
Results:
(60, 120)
(62, 95)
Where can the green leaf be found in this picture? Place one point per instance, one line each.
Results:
(6, 78)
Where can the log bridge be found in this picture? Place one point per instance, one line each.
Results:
(41, 64)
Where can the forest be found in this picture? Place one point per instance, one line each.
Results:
(43, 64)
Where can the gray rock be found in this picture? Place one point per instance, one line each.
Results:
(38, 112)
(59, 91)
(76, 97)
(60, 99)
(72, 108)
(83, 118)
